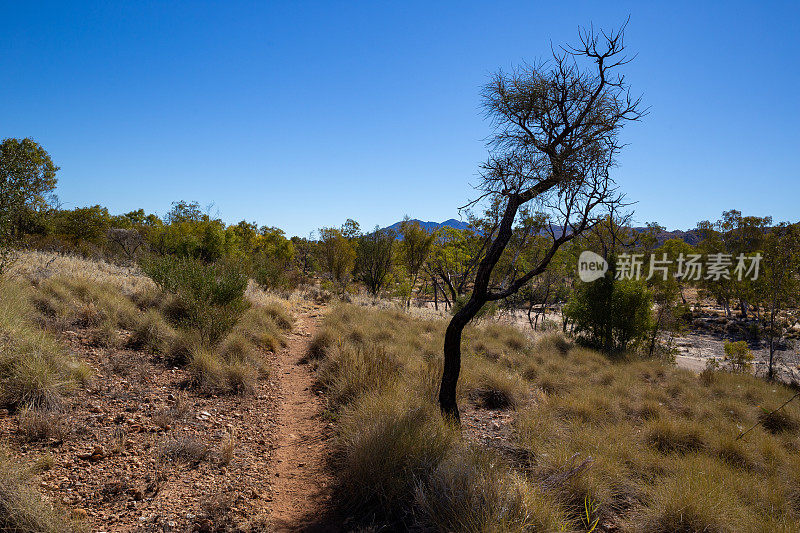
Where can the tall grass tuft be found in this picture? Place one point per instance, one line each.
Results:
(35, 370)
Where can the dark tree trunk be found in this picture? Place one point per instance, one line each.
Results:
(452, 357)
(480, 295)
(771, 371)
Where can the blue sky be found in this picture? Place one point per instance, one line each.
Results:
(302, 114)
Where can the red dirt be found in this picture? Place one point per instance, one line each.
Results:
(301, 476)
(106, 467)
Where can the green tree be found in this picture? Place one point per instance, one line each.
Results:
(27, 178)
(273, 258)
(83, 225)
(413, 250)
(189, 232)
(337, 256)
(778, 281)
(374, 259)
(611, 314)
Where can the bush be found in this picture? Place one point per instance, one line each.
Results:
(209, 296)
(610, 314)
(36, 425)
(474, 491)
(215, 373)
(68, 301)
(272, 275)
(351, 370)
(738, 355)
(495, 388)
(152, 333)
(669, 436)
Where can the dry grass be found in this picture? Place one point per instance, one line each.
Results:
(647, 446)
(109, 301)
(398, 464)
(22, 508)
(236, 363)
(182, 449)
(226, 450)
(37, 266)
(35, 370)
(38, 425)
(68, 301)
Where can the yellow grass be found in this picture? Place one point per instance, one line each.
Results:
(645, 446)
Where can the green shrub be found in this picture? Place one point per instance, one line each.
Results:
(610, 314)
(209, 297)
(738, 355)
(272, 275)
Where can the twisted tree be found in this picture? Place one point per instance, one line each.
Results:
(557, 124)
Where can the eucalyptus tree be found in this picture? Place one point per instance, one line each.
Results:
(779, 282)
(374, 258)
(556, 138)
(413, 251)
(27, 179)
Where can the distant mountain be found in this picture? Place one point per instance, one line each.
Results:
(432, 226)
(692, 236)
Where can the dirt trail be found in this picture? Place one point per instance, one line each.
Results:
(299, 501)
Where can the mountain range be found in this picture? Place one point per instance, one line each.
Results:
(691, 236)
(431, 226)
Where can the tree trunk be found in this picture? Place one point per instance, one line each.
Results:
(452, 358)
(452, 337)
(771, 371)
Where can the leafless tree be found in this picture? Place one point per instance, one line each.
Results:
(556, 139)
(127, 240)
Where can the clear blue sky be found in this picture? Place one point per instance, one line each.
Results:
(301, 114)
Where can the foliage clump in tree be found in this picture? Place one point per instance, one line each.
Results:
(779, 284)
(413, 251)
(337, 256)
(609, 314)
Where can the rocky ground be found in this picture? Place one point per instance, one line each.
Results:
(137, 449)
(697, 347)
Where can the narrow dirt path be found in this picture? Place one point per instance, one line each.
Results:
(301, 477)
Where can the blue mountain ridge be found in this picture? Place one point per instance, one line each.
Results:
(691, 236)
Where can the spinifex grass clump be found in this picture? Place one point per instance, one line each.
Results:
(22, 509)
(35, 370)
